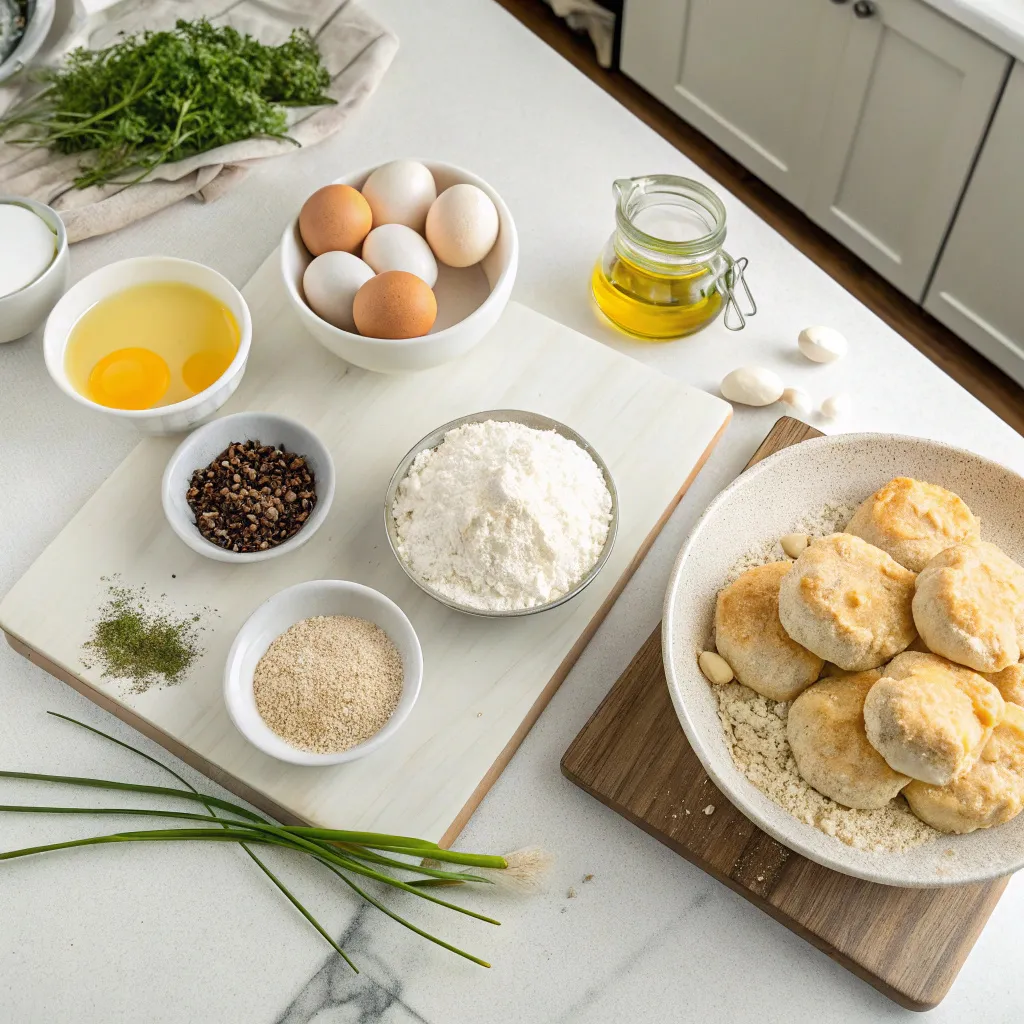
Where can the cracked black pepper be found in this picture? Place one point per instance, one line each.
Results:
(252, 496)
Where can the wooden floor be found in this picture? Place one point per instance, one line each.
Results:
(988, 384)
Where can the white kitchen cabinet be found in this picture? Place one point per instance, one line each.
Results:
(974, 291)
(747, 73)
(865, 115)
(912, 97)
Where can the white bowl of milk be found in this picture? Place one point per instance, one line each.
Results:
(34, 265)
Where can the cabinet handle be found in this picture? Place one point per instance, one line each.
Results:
(864, 8)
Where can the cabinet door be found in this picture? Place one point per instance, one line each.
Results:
(913, 97)
(754, 75)
(974, 291)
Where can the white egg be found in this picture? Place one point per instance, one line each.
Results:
(396, 247)
(752, 385)
(822, 344)
(836, 405)
(799, 401)
(400, 193)
(462, 225)
(330, 284)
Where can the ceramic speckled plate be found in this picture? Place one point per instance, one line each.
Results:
(762, 505)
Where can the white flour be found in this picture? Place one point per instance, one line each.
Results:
(502, 516)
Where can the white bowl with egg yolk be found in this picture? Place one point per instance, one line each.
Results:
(116, 277)
(469, 300)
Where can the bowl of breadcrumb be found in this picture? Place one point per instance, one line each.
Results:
(323, 672)
(843, 638)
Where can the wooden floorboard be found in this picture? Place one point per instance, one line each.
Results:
(978, 376)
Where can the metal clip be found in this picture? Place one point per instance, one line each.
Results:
(728, 282)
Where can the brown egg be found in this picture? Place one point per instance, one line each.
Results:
(394, 304)
(333, 218)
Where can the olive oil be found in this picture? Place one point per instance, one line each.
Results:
(656, 307)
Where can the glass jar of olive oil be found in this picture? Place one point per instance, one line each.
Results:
(664, 273)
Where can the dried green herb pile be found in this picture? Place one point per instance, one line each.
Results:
(136, 640)
(162, 96)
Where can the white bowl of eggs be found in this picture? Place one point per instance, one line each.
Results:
(401, 267)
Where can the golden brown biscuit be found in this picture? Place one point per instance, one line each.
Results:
(1010, 683)
(848, 602)
(750, 637)
(913, 521)
(969, 606)
(991, 793)
(826, 733)
(930, 719)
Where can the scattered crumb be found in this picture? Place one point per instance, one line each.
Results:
(755, 732)
(571, 894)
(479, 714)
(687, 812)
(949, 853)
(564, 909)
(588, 878)
(173, 577)
(709, 810)
(760, 878)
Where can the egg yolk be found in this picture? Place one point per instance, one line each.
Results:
(130, 378)
(204, 368)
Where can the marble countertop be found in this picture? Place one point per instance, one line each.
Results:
(186, 934)
(1001, 22)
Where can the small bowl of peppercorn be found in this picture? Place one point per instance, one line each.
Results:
(248, 487)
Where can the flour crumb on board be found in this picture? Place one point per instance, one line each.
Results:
(709, 810)
(571, 894)
(755, 732)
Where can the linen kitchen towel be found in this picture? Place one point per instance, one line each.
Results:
(354, 47)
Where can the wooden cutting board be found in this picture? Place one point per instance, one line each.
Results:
(633, 756)
(485, 681)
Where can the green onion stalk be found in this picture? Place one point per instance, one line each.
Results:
(349, 855)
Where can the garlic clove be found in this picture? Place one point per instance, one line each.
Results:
(715, 668)
(794, 544)
(822, 344)
(799, 401)
(836, 405)
(752, 385)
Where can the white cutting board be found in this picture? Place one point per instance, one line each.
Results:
(485, 681)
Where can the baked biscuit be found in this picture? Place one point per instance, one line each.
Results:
(750, 637)
(848, 602)
(1010, 683)
(913, 521)
(991, 793)
(930, 719)
(826, 733)
(969, 606)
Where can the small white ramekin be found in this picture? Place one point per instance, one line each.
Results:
(23, 311)
(402, 355)
(283, 610)
(116, 277)
(204, 444)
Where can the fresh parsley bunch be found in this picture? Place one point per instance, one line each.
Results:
(158, 97)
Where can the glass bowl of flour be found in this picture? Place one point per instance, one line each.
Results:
(502, 513)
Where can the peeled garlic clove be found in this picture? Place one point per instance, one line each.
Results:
(752, 385)
(822, 344)
(836, 406)
(799, 401)
(794, 544)
(715, 667)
